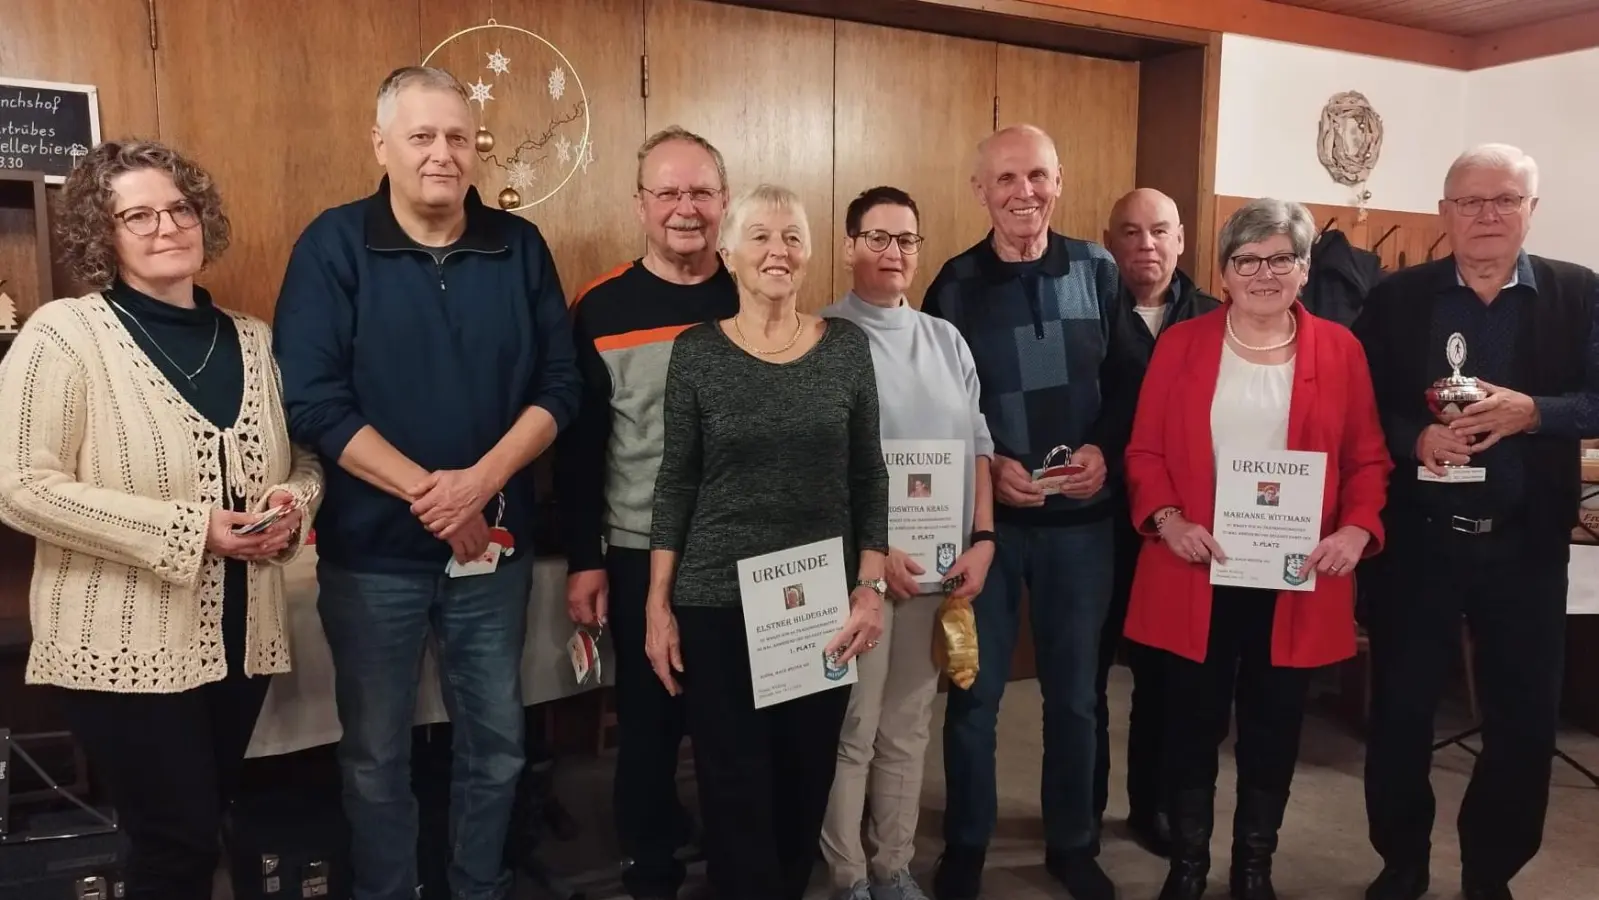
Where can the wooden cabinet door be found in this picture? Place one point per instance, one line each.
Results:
(909, 110)
(1090, 108)
(278, 104)
(758, 85)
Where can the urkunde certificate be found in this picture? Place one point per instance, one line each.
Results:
(794, 600)
(1268, 517)
(926, 503)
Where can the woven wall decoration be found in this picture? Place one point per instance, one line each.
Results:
(1349, 141)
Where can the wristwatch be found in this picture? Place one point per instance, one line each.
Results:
(878, 585)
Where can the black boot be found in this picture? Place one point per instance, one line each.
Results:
(1255, 824)
(1193, 814)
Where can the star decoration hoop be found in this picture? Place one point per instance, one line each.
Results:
(547, 156)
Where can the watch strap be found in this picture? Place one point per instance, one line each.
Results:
(980, 536)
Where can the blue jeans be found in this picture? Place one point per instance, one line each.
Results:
(377, 625)
(1068, 572)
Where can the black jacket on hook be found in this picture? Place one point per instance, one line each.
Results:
(1341, 274)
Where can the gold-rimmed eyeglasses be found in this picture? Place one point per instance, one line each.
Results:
(144, 221)
(673, 196)
(1278, 263)
(877, 241)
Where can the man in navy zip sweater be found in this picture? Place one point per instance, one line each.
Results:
(1040, 314)
(427, 356)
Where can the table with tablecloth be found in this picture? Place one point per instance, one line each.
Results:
(300, 712)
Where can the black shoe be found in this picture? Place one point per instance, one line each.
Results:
(1399, 882)
(1478, 890)
(1255, 825)
(1193, 814)
(958, 874)
(1151, 830)
(1079, 872)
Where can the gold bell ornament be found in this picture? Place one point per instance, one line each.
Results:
(484, 140)
(510, 199)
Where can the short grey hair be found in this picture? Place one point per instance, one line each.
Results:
(1496, 156)
(762, 196)
(1258, 220)
(679, 133)
(430, 77)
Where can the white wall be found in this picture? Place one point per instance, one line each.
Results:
(1272, 94)
(1544, 106)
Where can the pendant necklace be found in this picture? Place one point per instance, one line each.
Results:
(798, 327)
(1293, 334)
(216, 328)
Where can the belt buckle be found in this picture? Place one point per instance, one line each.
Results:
(1471, 526)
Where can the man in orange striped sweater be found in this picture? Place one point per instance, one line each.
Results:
(624, 324)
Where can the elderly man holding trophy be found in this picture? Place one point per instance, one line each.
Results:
(1486, 369)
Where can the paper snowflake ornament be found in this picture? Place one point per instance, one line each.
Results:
(563, 150)
(586, 156)
(480, 93)
(498, 62)
(521, 174)
(557, 82)
(8, 313)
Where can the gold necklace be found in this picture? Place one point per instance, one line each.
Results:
(798, 327)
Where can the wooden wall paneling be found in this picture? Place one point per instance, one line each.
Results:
(1090, 108)
(914, 132)
(25, 266)
(763, 95)
(589, 223)
(278, 105)
(1413, 236)
(1171, 136)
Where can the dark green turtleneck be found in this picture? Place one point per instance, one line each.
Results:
(178, 340)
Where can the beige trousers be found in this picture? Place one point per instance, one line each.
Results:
(882, 749)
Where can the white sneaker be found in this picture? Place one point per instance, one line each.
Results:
(901, 887)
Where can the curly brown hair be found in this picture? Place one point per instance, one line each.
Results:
(83, 212)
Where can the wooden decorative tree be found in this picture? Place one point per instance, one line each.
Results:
(8, 312)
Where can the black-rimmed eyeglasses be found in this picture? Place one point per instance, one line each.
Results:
(1504, 204)
(144, 221)
(877, 241)
(1278, 263)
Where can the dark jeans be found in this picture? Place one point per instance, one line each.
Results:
(764, 775)
(170, 764)
(1068, 573)
(1512, 592)
(1147, 711)
(1200, 696)
(650, 819)
(376, 625)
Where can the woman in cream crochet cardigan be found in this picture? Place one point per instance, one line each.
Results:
(148, 429)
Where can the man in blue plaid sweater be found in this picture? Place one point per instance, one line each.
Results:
(1039, 312)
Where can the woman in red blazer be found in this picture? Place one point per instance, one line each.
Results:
(1261, 373)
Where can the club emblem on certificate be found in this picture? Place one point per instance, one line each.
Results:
(1268, 517)
(795, 601)
(926, 503)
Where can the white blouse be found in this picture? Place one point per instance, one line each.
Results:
(1250, 408)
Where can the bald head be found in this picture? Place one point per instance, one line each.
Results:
(1017, 179)
(1145, 235)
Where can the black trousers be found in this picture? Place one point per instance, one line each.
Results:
(1146, 716)
(170, 764)
(764, 775)
(1199, 696)
(651, 723)
(1511, 588)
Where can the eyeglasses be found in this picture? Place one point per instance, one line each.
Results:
(1504, 204)
(1279, 263)
(674, 196)
(144, 221)
(878, 241)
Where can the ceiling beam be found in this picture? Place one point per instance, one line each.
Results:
(1293, 24)
(1563, 35)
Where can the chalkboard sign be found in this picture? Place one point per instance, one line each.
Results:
(46, 126)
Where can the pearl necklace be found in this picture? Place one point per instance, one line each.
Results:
(1293, 334)
(798, 327)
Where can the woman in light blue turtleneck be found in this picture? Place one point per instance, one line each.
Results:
(927, 388)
